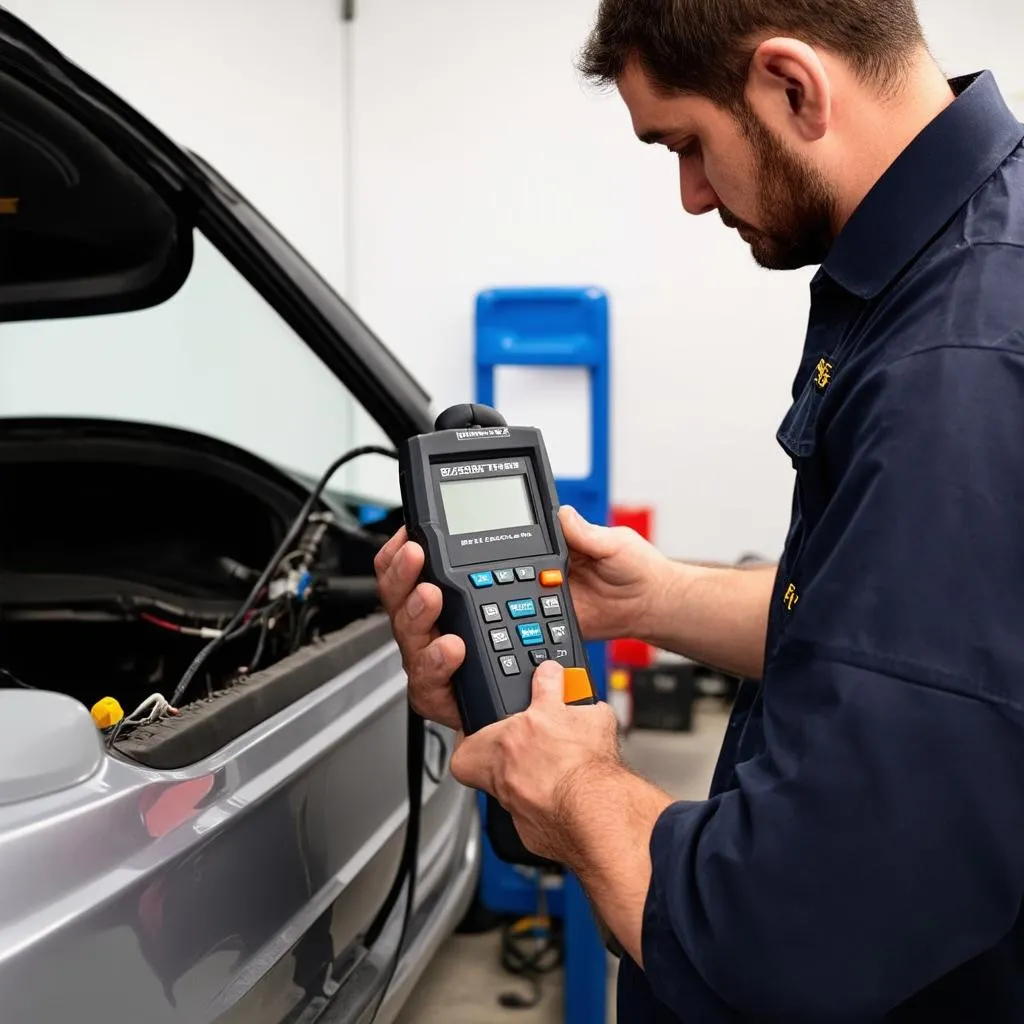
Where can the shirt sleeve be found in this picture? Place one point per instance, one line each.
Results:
(875, 843)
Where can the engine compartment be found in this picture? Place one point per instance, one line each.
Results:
(127, 550)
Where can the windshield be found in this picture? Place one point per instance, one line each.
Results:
(215, 359)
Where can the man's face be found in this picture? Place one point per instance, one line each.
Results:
(783, 208)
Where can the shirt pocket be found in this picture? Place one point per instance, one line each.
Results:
(801, 436)
(798, 433)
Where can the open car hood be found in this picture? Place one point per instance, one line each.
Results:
(134, 234)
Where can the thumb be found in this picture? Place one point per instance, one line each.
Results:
(588, 539)
(548, 685)
(472, 760)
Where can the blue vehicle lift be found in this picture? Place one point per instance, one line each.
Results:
(555, 327)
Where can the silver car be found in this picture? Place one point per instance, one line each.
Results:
(207, 761)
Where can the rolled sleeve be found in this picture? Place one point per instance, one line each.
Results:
(876, 842)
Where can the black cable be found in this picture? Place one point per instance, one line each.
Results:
(414, 759)
(14, 679)
(530, 964)
(306, 616)
(261, 643)
(285, 546)
(442, 757)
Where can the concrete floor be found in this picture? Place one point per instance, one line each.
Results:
(463, 984)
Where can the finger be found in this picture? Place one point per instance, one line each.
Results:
(596, 541)
(402, 576)
(432, 667)
(383, 559)
(474, 759)
(415, 620)
(548, 686)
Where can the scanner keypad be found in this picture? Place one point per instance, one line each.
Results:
(536, 625)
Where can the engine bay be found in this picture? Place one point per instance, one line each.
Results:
(127, 554)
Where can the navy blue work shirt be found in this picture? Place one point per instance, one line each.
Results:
(861, 857)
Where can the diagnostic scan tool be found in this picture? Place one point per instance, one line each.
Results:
(479, 497)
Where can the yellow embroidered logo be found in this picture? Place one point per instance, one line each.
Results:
(8, 205)
(823, 374)
(790, 598)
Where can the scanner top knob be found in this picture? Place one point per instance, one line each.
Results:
(463, 417)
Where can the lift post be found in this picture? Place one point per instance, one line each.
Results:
(555, 328)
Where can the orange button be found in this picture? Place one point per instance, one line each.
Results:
(577, 685)
(551, 578)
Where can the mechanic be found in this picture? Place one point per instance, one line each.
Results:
(861, 856)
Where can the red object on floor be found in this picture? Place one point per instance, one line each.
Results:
(632, 653)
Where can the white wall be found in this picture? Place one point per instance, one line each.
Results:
(257, 87)
(480, 161)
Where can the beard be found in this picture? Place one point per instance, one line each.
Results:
(797, 206)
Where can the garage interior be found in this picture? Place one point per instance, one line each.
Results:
(445, 171)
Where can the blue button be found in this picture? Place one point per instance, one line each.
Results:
(530, 634)
(522, 609)
(482, 579)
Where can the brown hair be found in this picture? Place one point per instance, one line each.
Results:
(705, 46)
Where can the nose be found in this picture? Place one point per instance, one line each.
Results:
(697, 194)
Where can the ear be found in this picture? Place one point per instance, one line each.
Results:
(789, 88)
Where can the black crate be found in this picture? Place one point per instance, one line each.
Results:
(663, 697)
(715, 686)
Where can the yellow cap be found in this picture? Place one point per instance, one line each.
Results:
(619, 680)
(107, 712)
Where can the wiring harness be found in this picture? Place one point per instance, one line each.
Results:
(243, 619)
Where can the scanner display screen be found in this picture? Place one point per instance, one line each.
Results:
(493, 503)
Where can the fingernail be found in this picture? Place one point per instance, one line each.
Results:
(416, 605)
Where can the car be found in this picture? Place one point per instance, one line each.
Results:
(215, 802)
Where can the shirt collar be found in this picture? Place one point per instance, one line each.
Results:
(928, 183)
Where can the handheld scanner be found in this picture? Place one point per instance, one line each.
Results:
(482, 502)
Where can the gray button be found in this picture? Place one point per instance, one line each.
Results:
(551, 607)
(491, 613)
(509, 665)
(559, 631)
(504, 576)
(500, 640)
(526, 573)
(538, 657)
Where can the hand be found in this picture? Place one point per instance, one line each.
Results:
(429, 659)
(615, 577)
(536, 763)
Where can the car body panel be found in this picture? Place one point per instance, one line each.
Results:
(238, 889)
